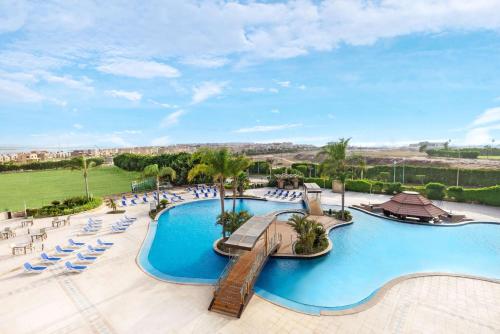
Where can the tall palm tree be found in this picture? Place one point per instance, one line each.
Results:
(158, 173)
(81, 163)
(237, 165)
(358, 164)
(213, 163)
(335, 164)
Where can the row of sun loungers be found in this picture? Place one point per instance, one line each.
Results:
(85, 253)
(283, 194)
(79, 264)
(136, 200)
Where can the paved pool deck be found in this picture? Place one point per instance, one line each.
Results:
(115, 296)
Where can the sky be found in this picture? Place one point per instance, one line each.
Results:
(134, 73)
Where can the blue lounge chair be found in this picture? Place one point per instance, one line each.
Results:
(124, 203)
(74, 243)
(104, 244)
(133, 202)
(49, 259)
(215, 194)
(118, 229)
(145, 200)
(34, 269)
(129, 218)
(94, 222)
(85, 258)
(197, 195)
(65, 251)
(74, 268)
(88, 230)
(95, 250)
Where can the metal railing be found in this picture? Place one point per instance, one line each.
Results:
(225, 272)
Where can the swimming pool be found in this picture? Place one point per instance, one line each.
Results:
(365, 256)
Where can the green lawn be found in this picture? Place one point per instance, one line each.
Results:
(41, 187)
(492, 157)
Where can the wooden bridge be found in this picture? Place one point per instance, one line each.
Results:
(312, 198)
(256, 241)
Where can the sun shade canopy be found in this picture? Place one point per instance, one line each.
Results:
(247, 235)
(412, 204)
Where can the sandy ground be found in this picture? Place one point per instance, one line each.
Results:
(115, 296)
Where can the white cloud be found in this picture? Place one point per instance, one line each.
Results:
(267, 128)
(83, 84)
(78, 126)
(76, 139)
(161, 141)
(302, 87)
(275, 111)
(127, 132)
(253, 89)
(284, 84)
(129, 95)
(273, 90)
(171, 119)
(18, 92)
(164, 105)
(488, 116)
(205, 62)
(139, 69)
(207, 90)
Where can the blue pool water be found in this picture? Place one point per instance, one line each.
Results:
(365, 255)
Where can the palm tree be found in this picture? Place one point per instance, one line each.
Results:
(335, 164)
(358, 163)
(308, 231)
(81, 163)
(111, 204)
(213, 163)
(158, 173)
(237, 165)
(231, 221)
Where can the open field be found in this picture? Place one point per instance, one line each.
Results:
(491, 157)
(41, 187)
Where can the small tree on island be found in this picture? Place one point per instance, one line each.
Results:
(81, 163)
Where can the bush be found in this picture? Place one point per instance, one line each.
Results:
(377, 187)
(70, 206)
(323, 183)
(435, 190)
(391, 188)
(347, 215)
(463, 153)
(488, 196)
(456, 193)
(45, 165)
(362, 186)
(418, 189)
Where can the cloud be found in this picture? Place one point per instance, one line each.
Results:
(18, 92)
(275, 111)
(207, 90)
(253, 89)
(139, 69)
(79, 139)
(78, 126)
(481, 135)
(488, 116)
(284, 84)
(129, 95)
(273, 90)
(267, 128)
(127, 132)
(164, 105)
(302, 87)
(205, 62)
(83, 84)
(171, 119)
(161, 141)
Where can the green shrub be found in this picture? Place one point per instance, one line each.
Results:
(418, 189)
(377, 187)
(456, 193)
(75, 205)
(323, 183)
(362, 186)
(42, 165)
(435, 190)
(488, 196)
(391, 188)
(463, 153)
(347, 215)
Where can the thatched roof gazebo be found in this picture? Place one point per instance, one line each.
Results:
(409, 204)
(287, 181)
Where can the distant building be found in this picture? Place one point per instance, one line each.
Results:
(429, 145)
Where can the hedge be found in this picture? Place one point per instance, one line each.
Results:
(435, 190)
(446, 176)
(305, 168)
(362, 186)
(9, 167)
(464, 153)
(67, 207)
(488, 196)
(323, 183)
(259, 168)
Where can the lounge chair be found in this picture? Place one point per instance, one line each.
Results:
(206, 195)
(123, 223)
(124, 203)
(85, 258)
(94, 250)
(118, 229)
(72, 268)
(133, 202)
(104, 244)
(94, 222)
(129, 218)
(49, 259)
(267, 194)
(34, 269)
(88, 230)
(144, 200)
(65, 251)
(75, 244)
(197, 195)
(215, 194)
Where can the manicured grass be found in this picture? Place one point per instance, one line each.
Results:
(491, 157)
(41, 187)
